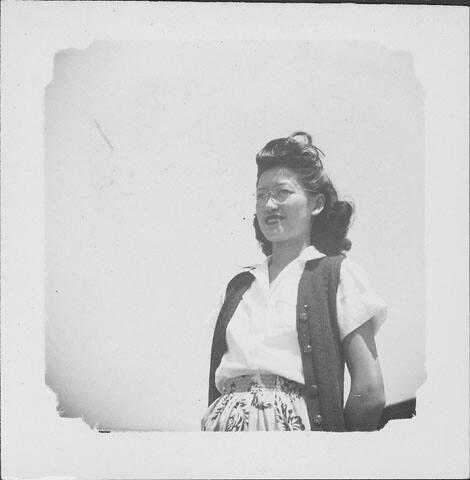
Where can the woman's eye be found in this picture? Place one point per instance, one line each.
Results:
(284, 192)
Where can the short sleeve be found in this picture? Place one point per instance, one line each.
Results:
(356, 302)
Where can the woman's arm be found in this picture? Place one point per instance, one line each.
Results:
(367, 397)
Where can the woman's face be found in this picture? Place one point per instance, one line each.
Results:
(283, 208)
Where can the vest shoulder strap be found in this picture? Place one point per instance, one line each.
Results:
(319, 341)
(234, 293)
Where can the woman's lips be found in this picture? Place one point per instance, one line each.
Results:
(273, 219)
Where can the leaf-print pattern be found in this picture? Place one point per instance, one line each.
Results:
(238, 419)
(290, 388)
(285, 417)
(223, 401)
(258, 403)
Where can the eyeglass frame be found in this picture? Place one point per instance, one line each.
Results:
(272, 194)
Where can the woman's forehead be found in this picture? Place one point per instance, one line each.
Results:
(277, 175)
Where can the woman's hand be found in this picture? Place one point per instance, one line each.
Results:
(367, 397)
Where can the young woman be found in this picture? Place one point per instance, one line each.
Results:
(287, 326)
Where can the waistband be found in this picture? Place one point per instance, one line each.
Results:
(245, 383)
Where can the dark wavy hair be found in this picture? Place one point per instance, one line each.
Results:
(298, 153)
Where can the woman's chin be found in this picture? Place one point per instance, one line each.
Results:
(274, 237)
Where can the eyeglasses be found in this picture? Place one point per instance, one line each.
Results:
(279, 195)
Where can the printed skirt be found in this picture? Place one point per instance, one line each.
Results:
(258, 403)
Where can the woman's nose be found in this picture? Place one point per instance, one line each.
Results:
(271, 204)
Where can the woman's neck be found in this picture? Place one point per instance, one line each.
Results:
(283, 254)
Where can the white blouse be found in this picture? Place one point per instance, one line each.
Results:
(262, 334)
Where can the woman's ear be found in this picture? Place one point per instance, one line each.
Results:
(318, 203)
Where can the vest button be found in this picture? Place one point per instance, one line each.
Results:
(317, 419)
(313, 390)
(308, 349)
(303, 317)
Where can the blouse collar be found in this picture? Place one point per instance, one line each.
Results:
(309, 253)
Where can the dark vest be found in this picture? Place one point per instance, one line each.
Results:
(318, 334)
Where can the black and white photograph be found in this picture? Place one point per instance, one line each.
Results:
(159, 187)
(232, 218)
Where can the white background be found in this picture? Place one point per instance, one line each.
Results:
(41, 443)
(150, 176)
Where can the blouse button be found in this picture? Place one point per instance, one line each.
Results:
(317, 419)
(303, 317)
(308, 349)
